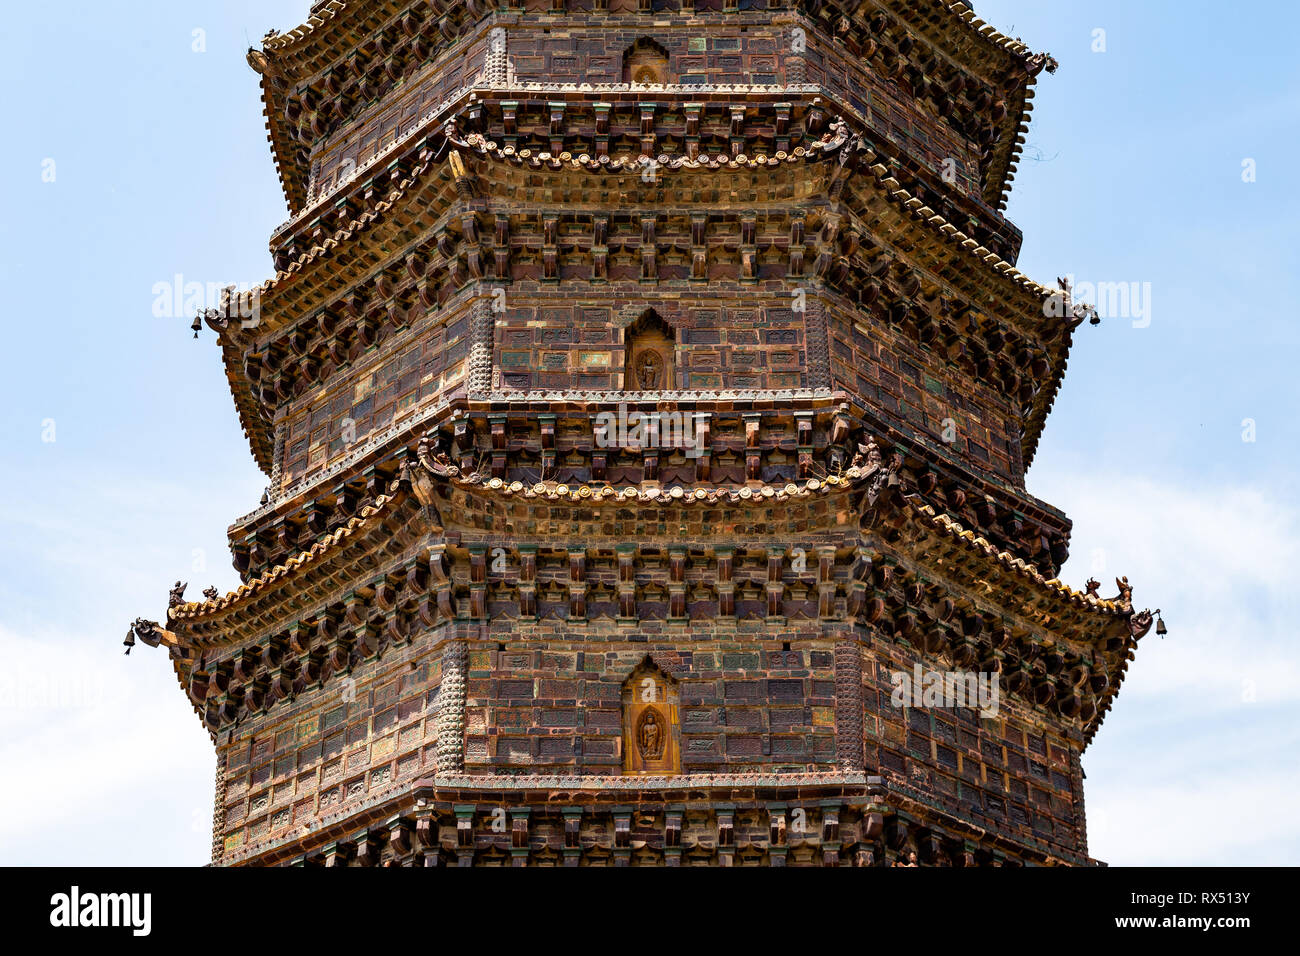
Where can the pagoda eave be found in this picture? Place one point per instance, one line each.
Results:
(413, 213)
(795, 818)
(299, 58)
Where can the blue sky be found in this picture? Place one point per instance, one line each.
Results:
(161, 167)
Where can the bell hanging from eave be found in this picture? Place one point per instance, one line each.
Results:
(1160, 624)
(195, 326)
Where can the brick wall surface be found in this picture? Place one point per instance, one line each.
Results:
(331, 748)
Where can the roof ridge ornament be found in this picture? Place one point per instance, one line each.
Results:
(1038, 62)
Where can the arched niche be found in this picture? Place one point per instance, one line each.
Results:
(649, 354)
(645, 61)
(651, 735)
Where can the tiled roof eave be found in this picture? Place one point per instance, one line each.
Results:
(676, 495)
(1031, 293)
(954, 26)
(1014, 285)
(257, 430)
(341, 25)
(1064, 597)
(283, 148)
(1052, 587)
(196, 611)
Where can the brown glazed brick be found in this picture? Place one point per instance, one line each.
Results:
(477, 586)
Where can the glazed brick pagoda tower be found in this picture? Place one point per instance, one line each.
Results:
(642, 385)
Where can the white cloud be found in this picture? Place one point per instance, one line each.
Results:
(1202, 733)
(1211, 820)
(102, 757)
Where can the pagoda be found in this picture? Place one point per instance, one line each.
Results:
(645, 387)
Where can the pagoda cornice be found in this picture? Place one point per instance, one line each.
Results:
(415, 558)
(352, 537)
(361, 50)
(463, 108)
(367, 200)
(949, 470)
(1047, 603)
(692, 120)
(551, 124)
(923, 581)
(345, 212)
(316, 504)
(985, 278)
(398, 438)
(336, 32)
(265, 598)
(336, 27)
(945, 537)
(333, 27)
(443, 818)
(419, 205)
(953, 33)
(790, 105)
(992, 278)
(1054, 604)
(254, 417)
(414, 207)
